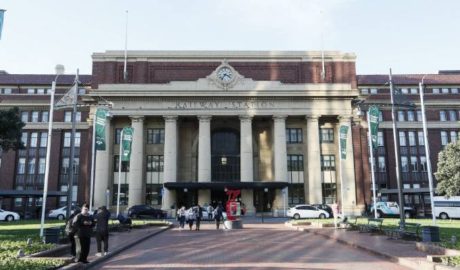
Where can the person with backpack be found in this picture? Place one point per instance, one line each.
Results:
(190, 217)
(199, 216)
(181, 217)
(102, 230)
(70, 231)
(83, 224)
(218, 214)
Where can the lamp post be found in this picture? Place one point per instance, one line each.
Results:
(186, 197)
(263, 203)
(59, 70)
(72, 151)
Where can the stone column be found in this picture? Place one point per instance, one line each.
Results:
(136, 164)
(314, 160)
(246, 158)
(103, 171)
(204, 149)
(280, 157)
(347, 167)
(170, 162)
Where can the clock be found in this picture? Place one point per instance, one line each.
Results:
(225, 74)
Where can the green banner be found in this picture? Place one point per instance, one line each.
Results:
(343, 142)
(101, 116)
(374, 125)
(126, 142)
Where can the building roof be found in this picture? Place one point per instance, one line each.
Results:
(41, 79)
(412, 79)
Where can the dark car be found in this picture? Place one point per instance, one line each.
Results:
(324, 207)
(145, 211)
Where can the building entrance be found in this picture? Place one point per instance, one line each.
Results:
(225, 155)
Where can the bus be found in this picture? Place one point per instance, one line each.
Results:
(446, 208)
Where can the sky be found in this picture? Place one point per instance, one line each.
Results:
(410, 36)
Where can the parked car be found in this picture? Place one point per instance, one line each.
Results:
(391, 209)
(324, 207)
(8, 215)
(306, 211)
(138, 211)
(61, 213)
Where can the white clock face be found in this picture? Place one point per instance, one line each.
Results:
(225, 74)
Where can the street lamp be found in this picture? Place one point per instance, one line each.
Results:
(263, 203)
(186, 197)
(59, 70)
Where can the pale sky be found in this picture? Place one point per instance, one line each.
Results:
(410, 36)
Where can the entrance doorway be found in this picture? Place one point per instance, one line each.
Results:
(263, 201)
(218, 196)
(225, 155)
(187, 198)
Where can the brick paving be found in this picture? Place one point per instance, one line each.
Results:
(258, 246)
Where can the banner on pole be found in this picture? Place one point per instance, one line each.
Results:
(126, 142)
(101, 116)
(374, 125)
(68, 100)
(343, 142)
(2, 13)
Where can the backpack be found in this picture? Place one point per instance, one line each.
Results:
(69, 228)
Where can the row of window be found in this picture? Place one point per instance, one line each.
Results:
(410, 138)
(31, 166)
(450, 115)
(411, 91)
(449, 136)
(43, 116)
(40, 139)
(36, 91)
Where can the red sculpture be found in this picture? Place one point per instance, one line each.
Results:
(232, 204)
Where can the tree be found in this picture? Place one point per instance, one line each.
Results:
(10, 129)
(448, 174)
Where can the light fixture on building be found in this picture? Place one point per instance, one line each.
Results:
(185, 189)
(223, 160)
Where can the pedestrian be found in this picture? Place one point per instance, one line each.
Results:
(190, 217)
(181, 217)
(199, 216)
(83, 224)
(209, 210)
(218, 214)
(102, 230)
(70, 231)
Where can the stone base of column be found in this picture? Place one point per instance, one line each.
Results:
(247, 197)
(204, 197)
(169, 202)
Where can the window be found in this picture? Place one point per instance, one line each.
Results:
(453, 136)
(41, 165)
(67, 139)
(116, 163)
(404, 165)
(445, 90)
(404, 90)
(155, 163)
(423, 163)
(295, 163)
(410, 116)
(77, 139)
(364, 91)
(327, 162)
(444, 139)
(294, 135)
(327, 135)
(78, 117)
(296, 194)
(402, 138)
(411, 135)
(413, 164)
(21, 166)
(421, 138)
(67, 116)
(155, 136)
(31, 91)
(40, 91)
(25, 117)
(380, 116)
(117, 135)
(401, 116)
(81, 91)
(419, 116)
(435, 90)
(24, 138)
(442, 116)
(413, 91)
(380, 138)
(6, 91)
(43, 139)
(33, 139)
(452, 115)
(35, 116)
(374, 90)
(382, 164)
(329, 192)
(45, 117)
(31, 168)
(452, 90)
(65, 166)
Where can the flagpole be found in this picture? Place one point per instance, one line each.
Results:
(125, 72)
(2, 14)
(93, 161)
(341, 173)
(371, 151)
(120, 154)
(72, 150)
(427, 150)
(396, 146)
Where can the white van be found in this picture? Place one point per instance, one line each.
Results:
(445, 208)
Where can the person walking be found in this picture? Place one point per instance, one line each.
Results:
(190, 217)
(83, 224)
(70, 231)
(181, 217)
(209, 210)
(218, 214)
(199, 216)
(102, 230)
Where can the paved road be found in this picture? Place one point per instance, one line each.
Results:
(258, 246)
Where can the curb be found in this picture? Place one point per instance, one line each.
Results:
(99, 260)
